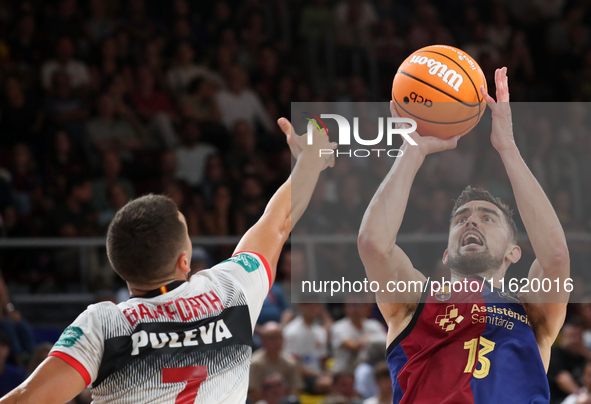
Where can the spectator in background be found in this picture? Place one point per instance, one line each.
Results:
(219, 220)
(65, 109)
(583, 395)
(38, 356)
(65, 21)
(14, 328)
(192, 155)
(436, 217)
(20, 114)
(239, 102)
(75, 217)
(193, 214)
(61, 163)
(343, 390)
(272, 358)
(76, 71)
(186, 70)
(275, 307)
(349, 210)
(111, 167)
(26, 47)
(567, 362)
(585, 315)
(350, 334)
(307, 341)
(26, 182)
(384, 383)
(107, 65)
(371, 354)
(167, 168)
(154, 107)
(111, 129)
(215, 175)
(118, 198)
(244, 149)
(274, 390)
(199, 103)
(10, 376)
(99, 26)
(251, 204)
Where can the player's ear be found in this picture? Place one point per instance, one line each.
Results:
(514, 253)
(445, 257)
(183, 263)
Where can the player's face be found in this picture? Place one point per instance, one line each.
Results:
(479, 238)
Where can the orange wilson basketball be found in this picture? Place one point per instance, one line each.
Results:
(439, 87)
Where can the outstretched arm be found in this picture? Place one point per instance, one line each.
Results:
(383, 260)
(546, 310)
(285, 208)
(53, 382)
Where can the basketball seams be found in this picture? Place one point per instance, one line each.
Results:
(438, 89)
(435, 122)
(460, 66)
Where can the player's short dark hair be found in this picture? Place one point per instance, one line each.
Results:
(145, 238)
(478, 194)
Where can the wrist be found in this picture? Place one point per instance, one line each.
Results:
(308, 160)
(413, 153)
(510, 151)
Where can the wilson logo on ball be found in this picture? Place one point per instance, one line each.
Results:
(449, 76)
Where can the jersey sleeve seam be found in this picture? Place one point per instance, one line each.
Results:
(70, 360)
(265, 264)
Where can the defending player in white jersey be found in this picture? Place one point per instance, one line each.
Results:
(178, 339)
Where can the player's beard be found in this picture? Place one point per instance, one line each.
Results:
(475, 262)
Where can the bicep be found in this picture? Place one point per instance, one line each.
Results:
(53, 382)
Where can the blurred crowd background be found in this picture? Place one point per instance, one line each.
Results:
(105, 100)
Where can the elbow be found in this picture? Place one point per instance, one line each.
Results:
(558, 260)
(371, 245)
(561, 257)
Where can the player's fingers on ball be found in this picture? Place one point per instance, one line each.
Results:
(393, 110)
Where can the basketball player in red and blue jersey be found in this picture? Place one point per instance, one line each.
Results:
(470, 347)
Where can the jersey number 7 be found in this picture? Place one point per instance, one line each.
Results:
(193, 375)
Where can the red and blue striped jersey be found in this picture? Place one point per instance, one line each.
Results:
(468, 347)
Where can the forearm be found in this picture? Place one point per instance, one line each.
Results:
(567, 383)
(383, 217)
(541, 223)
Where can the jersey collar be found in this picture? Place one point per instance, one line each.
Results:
(162, 289)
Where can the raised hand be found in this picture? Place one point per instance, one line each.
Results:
(502, 123)
(426, 144)
(301, 149)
